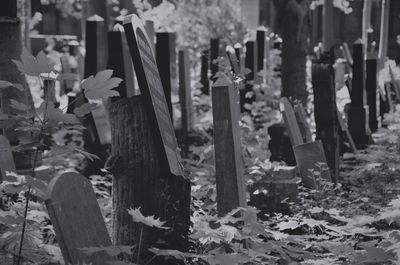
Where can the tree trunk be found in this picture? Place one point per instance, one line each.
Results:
(139, 181)
(293, 16)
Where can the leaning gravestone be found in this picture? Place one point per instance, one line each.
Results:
(233, 60)
(185, 96)
(214, 53)
(77, 220)
(228, 161)
(372, 91)
(6, 158)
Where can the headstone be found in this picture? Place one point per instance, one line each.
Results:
(149, 26)
(291, 122)
(233, 60)
(327, 130)
(261, 37)
(372, 92)
(301, 117)
(95, 61)
(77, 220)
(185, 96)
(358, 112)
(228, 161)
(238, 51)
(166, 63)
(345, 129)
(205, 82)
(246, 96)
(214, 53)
(385, 102)
(150, 85)
(6, 158)
(347, 53)
(279, 144)
(120, 61)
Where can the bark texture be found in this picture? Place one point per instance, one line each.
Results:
(293, 20)
(140, 181)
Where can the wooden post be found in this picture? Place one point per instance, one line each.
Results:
(383, 42)
(251, 64)
(261, 36)
(205, 82)
(185, 96)
(77, 220)
(372, 92)
(166, 63)
(148, 150)
(120, 62)
(214, 53)
(323, 82)
(228, 161)
(358, 111)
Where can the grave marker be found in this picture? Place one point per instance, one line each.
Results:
(358, 112)
(251, 64)
(120, 61)
(166, 63)
(233, 60)
(238, 51)
(149, 26)
(152, 90)
(372, 91)
(77, 220)
(214, 53)
(185, 96)
(6, 158)
(228, 161)
(301, 117)
(344, 129)
(347, 54)
(261, 35)
(205, 82)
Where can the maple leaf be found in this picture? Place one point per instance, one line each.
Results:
(56, 115)
(150, 221)
(30, 65)
(101, 85)
(84, 109)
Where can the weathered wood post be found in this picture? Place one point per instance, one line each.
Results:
(228, 161)
(323, 82)
(214, 53)
(204, 81)
(246, 96)
(372, 91)
(261, 37)
(185, 96)
(145, 159)
(166, 63)
(358, 111)
(77, 220)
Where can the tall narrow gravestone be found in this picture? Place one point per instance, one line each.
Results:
(77, 220)
(372, 91)
(6, 158)
(204, 81)
(233, 60)
(246, 96)
(214, 53)
(228, 161)
(185, 97)
(358, 111)
(172, 202)
(166, 63)
(238, 51)
(327, 128)
(120, 62)
(261, 37)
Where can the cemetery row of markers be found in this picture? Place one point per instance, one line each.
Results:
(144, 151)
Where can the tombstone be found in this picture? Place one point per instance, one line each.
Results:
(345, 130)
(279, 144)
(149, 26)
(166, 63)
(372, 92)
(251, 64)
(309, 156)
(301, 117)
(120, 62)
(71, 102)
(214, 53)
(323, 82)
(205, 82)
(277, 43)
(358, 112)
(228, 161)
(385, 102)
(347, 54)
(173, 203)
(96, 60)
(261, 37)
(238, 52)
(6, 158)
(77, 220)
(185, 96)
(233, 60)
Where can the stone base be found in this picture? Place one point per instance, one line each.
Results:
(358, 123)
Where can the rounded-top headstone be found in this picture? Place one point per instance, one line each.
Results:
(237, 46)
(96, 18)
